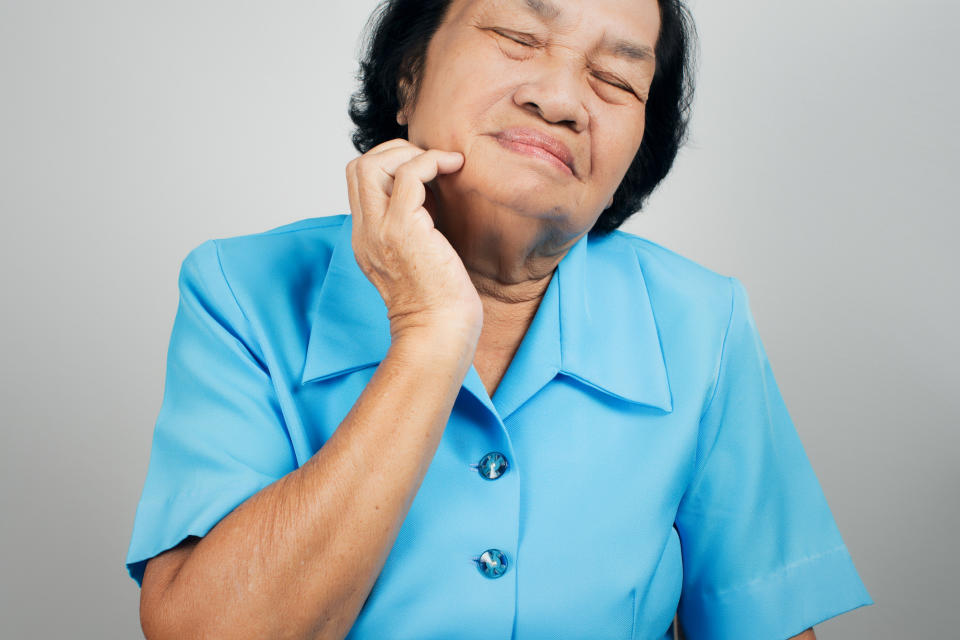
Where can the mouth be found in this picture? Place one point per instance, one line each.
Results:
(537, 144)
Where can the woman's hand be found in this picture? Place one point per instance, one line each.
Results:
(420, 276)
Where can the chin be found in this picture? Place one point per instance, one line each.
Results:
(519, 188)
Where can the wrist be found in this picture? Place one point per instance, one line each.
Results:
(436, 344)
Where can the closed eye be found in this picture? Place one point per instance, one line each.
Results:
(517, 40)
(606, 80)
(614, 84)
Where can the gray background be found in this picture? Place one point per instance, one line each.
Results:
(820, 173)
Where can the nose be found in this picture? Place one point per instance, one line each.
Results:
(554, 92)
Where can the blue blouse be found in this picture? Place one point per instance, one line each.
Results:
(636, 460)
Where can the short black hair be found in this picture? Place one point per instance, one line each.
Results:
(395, 49)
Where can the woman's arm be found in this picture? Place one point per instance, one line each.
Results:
(299, 558)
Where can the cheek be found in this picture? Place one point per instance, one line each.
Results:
(453, 86)
(462, 68)
(616, 148)
(456, 102)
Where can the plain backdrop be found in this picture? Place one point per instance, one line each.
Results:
(821, 172)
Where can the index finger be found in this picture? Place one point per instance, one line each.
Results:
(411, 177)
(391, 144)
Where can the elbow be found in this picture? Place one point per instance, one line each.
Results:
(150, 623)
(158, 624)
(155, 623)
(160, 619)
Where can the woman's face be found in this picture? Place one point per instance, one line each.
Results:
(551, 66)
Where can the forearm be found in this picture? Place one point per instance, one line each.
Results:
(299, 558)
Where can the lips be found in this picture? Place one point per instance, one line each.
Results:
(535, 138)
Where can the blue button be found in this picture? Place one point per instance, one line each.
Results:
(492, 465)
(492, 563)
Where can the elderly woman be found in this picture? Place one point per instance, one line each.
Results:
(474, 408)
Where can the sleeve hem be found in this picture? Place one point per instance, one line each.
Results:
(162, 525)
(779, 605)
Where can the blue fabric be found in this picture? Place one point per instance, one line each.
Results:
(653, 468)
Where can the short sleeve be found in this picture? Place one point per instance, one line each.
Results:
(762, 555)
(219, 436)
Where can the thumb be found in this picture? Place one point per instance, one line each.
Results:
(430, 202)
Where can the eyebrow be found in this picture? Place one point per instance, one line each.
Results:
(549, 13)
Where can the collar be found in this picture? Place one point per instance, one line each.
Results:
(595, 323)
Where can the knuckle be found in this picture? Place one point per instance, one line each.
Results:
(425, 216)
(365, 163)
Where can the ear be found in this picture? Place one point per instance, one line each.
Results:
(403, 94)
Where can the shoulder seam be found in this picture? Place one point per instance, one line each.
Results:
(723, 348)
(696, 472)
(236, 302)
(233, 296)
